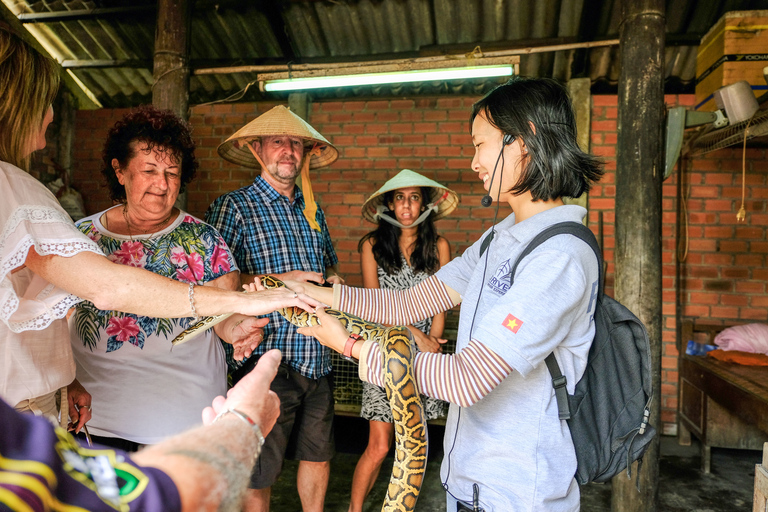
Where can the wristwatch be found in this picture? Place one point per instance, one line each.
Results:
(347, 354)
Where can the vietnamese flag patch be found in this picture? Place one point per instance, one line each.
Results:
(512, 323)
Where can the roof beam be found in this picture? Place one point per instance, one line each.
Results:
(314, 66)
(85, 99)
(107, 63)
(85, 14)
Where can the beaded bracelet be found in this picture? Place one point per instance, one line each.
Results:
(192, 300)
(244, 417)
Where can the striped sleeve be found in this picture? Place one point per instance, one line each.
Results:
(393, 307)
(462, 378)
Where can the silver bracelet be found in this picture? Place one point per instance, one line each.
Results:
(244, 417)
(192, 301)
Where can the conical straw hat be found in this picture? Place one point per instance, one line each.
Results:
(443, 198)
(278, 121)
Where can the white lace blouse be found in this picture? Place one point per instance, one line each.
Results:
(35, 353)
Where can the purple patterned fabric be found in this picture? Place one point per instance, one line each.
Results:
(42, 464)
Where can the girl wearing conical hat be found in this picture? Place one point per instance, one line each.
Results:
(401, 252)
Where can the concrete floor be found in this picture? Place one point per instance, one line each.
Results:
(682, 486)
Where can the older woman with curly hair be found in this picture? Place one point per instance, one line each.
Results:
(143, 388)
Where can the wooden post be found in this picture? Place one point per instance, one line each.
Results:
(581, 97)
(171, 69)
(171, 66)
(639, 172)
(298, 102)
(66, 115)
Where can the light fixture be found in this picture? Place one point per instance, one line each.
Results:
(293, 83)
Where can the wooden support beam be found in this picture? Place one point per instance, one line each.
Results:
(85, 99)
(85, 14)
(639, 173)
(107, 63)
(298, 102)
(171, 71)
(409, 61)
(171, 60)
(66, 114)
(581, 98)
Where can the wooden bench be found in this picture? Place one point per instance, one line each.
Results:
(724, 405)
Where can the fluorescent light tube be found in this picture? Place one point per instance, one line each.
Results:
(387, 78)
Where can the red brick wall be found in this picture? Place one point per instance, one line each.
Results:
(723, 274)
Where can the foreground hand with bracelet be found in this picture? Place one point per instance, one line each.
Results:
(211, 465)
(248, 421)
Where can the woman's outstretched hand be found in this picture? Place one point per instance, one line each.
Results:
(330, 332)
(245, 335)
(268, 300)
(320, 293)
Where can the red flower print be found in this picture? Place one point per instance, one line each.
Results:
(131, 254)
(178, 256)
(123, 328)
(195, 269)
(220, 259)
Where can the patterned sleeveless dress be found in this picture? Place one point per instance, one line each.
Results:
(375, 404)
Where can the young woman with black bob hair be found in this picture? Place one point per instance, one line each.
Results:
(505, 447)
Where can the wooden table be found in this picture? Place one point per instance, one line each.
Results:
(723, 404)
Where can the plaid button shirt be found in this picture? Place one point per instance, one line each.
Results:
(269, 235)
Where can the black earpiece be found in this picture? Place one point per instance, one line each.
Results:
(506, 141)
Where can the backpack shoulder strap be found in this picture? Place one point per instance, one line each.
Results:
(578, 230)
(559, 382)
(486, 242)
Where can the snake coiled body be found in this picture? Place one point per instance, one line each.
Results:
(398, 355)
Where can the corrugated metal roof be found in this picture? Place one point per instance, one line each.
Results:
(228, 33)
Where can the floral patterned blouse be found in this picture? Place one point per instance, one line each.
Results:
(143, 388)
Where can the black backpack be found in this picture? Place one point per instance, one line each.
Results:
(609, 411)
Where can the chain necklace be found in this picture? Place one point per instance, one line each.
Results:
(158, 227)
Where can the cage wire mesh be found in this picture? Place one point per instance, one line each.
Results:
(708, 139)
(348, 388)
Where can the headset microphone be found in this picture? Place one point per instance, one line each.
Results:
(487, 200)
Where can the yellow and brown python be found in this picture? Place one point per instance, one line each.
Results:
(407, 409)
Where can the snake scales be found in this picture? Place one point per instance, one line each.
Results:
(407, 409)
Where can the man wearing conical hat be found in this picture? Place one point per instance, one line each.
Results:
(275, 227)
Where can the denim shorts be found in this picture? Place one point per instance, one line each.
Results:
(304, 430)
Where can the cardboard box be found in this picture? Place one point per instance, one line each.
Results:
(735, 48)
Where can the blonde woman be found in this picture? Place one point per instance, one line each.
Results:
(47, 265)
